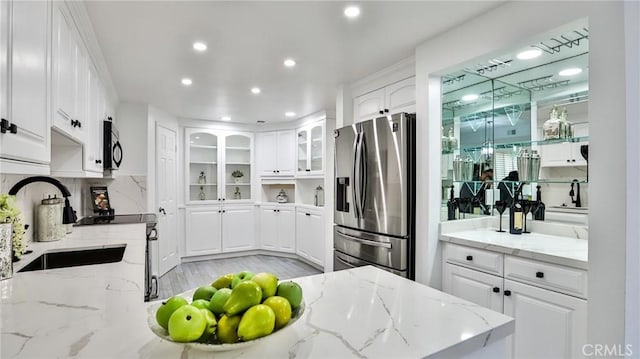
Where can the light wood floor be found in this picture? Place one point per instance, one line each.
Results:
(194, 274)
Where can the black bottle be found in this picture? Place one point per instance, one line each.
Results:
(538, 213)
(516, 213)
(451, 206)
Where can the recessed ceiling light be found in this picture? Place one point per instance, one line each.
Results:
(529, 54)
(225, 118)
(186, 81)
(199, 46)
(289, 114)
(470, 97)
(351, 11)
(570, 72)
(255, 90)
(289, 62)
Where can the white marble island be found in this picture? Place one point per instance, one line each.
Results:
(95, 312)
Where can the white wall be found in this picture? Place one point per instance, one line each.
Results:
(131, 121)
(504, 28)
(632, 37)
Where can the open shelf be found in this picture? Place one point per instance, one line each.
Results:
(203, 146)
(203, 184)
(526, 182)
(526, 144)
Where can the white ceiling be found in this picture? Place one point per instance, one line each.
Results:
(147, 46)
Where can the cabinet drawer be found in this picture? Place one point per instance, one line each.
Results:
(562, 279)
(485, 261)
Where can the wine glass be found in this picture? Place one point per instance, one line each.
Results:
(500, 207)
(526, 208)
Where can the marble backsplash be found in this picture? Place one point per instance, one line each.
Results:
(127, 194)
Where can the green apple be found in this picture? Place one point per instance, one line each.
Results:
(204, 292)
(216, 304)
(281, 308)
(187, 324)
(201, 304)
(167, 308)
(241, 277)
(256, 322)
(210, 329)
(268, 282)
(292, 292)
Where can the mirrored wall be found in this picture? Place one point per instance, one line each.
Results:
(528, 104)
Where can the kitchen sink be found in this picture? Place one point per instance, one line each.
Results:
(76, 258)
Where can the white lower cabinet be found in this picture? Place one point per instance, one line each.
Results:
(203, 230)
(277, 228)
(477, 287)
(310, 241)
(219, 229)
(549, 323)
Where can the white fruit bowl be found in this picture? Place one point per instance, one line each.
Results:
(214, 346)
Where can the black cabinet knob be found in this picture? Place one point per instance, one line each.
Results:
(219, 211)
(381, 112)
(573, 160)
(469, 258)
(278, 211)
(98, 161)
(223, 211)
(507, 293)
(218, 199)
(223, 199)
(4, 125)
(386, 110)
(277, 171)
(274, 171)
(539, 275)
(496, 290)
(79, 123)
(13, 128)
(568, 160)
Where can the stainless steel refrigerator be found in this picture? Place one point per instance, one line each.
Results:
(374, 210)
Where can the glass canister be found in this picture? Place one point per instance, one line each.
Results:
(458, 164)
(237, 194)
(50, 227)
(318, 198)
(467, 170)
(551, 127)
(523, 163)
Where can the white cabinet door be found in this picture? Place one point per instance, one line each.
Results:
(238, 232)
(269, 228)
(285, 153)
(566, 154)
(203, 230)
(401, 96)
(266, 154)
(63, 59)
(82, 89)
(310, 148)
(25, 70)
(310, 235)
(286, 230)
(237, 158)
(548, 324)
(477, 287)
(93, 148)
(369, 105)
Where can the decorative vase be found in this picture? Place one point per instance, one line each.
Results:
(237, 179)
(6, 251)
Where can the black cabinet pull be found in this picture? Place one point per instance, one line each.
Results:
(386, 110)
(4, 125)
(573, 160)
(218, 199)
(307, 214)
(507, 293)
(219, 211)
(539, 275)
(223, 199)
(381, 112)
(496, 290)
(308, 170)
(79, 124)
(278, 211)
(277, 171)
(469, 258)
(98, 161)
(274, 171)
(13, 128)
(223, 211)
(274, 210)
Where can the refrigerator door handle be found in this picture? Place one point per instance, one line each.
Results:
(363, 174)
(365, 241)
(356, 192)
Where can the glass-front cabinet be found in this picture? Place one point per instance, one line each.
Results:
(518, 120)
(310, 150)
(218, 166)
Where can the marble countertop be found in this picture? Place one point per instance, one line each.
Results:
(563, 250)
(98, 312)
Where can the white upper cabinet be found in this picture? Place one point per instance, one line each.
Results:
(310, 149)
(397, 97)
(275, 156)
(93, 150)
(24, 73)
(218, 166)
(566, 154)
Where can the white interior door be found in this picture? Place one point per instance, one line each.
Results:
(166, 192)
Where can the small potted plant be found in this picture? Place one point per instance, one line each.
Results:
(12, 231)
(237, 176)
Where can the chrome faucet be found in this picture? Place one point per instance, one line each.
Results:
(68, 214)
